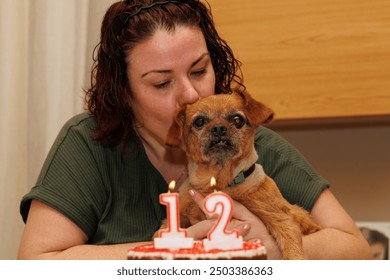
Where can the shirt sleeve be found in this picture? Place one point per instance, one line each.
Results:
(298, 182)
(70, 180)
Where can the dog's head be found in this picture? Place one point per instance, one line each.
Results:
(219, 128)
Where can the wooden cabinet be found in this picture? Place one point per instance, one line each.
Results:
(312, 59)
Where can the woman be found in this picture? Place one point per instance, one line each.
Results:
(97, 194)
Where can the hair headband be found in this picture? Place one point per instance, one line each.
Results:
(140, 9)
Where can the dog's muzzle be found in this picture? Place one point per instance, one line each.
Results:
(218, 137)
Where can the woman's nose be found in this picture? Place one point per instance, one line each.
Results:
(188, 95)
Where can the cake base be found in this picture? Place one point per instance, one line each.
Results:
(250, 251)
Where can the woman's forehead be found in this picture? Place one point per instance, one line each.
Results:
(166, 48)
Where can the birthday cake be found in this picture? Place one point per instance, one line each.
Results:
(221, 244)
(249, 251)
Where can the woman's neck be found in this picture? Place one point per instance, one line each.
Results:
(170, 162)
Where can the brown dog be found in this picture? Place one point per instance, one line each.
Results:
(218, 135)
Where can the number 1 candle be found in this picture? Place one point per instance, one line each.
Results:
(173, 237)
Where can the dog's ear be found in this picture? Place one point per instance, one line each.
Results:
(257, 112)
(175, 133)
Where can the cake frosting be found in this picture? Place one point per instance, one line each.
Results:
(250, 251)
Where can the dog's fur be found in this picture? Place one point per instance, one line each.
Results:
(218, 135)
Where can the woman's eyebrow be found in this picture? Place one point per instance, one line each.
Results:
(199, 59)
(165, 71)
(156, 71)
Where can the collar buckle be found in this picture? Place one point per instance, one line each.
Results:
(240, 178)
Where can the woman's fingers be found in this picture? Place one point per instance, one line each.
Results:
(242, 228)
(200, 229)
(198, 199)
(240, 212)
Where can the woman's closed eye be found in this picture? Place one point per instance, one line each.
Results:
(162, 85)
(198, 73)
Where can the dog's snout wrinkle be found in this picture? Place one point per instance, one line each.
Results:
(219, 130)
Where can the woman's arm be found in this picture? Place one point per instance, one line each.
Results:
(339, 238)
(50, 235)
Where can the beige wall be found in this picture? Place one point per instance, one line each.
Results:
(312, 59)
(355, 159)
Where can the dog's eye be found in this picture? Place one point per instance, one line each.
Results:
(199, 122)
(238, 121)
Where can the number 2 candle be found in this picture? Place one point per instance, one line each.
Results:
(218, 237)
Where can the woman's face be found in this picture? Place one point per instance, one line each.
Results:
(167, 71)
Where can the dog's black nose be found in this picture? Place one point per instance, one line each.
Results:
(219, 130)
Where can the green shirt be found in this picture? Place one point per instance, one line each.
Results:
(114, 198)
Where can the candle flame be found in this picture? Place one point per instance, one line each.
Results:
(213, 182)
(171, 186)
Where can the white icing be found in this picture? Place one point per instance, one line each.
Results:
(173, 242)
(229, 242)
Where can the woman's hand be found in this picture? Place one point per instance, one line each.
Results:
(245, 222)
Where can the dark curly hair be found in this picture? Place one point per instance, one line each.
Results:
(128, 23)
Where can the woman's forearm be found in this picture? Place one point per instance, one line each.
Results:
(334, 244)
(85, 251)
